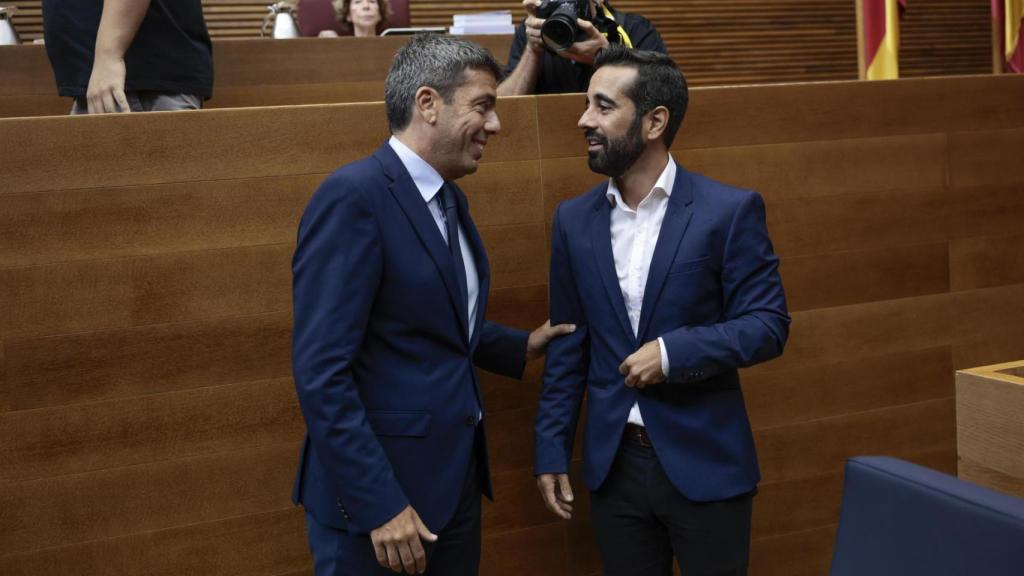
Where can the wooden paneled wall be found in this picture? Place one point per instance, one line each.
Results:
(250, 72)
(148, 419)
(716, 42)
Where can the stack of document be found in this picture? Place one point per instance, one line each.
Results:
(499, 22)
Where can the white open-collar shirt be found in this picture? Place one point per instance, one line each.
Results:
(634, 235)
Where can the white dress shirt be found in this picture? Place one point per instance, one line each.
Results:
(634, 236)
(429, 183)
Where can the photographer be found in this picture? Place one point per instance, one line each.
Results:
(534, 68)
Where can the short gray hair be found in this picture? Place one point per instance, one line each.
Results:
(435, 61)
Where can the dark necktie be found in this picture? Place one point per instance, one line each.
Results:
(451, 215)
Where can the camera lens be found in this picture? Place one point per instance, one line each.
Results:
(558, 32)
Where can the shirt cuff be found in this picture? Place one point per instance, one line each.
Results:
(664, 357)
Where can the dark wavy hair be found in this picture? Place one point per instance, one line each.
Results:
(659, 82)
(342, 7)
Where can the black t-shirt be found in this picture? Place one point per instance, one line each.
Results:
(171, 51)
(560, 75)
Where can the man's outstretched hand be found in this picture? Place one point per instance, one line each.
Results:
(541, 337)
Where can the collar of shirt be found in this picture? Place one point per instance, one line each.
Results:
(427, 180)
(666, 180)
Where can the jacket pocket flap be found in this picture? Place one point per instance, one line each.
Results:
(399, 423)
(684, 266)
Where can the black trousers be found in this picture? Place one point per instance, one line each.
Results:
(456, 552)
(641, 521)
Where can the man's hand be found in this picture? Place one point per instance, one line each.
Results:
(398, 545)
(105, 93)
(557, 500)
(541, 337)
(534, 42)
(585, 51)
(643, 367)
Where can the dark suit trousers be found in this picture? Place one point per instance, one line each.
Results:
(641, 521)
(456, 552)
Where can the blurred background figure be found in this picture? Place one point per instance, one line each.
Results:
(361, 17)
(129, 55)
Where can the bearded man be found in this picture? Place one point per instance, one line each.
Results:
(672, 283)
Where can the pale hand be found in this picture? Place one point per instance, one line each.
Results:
(541, 337)
(585, 51)
(533, 24)
(556, 493)
(643, 367)
(397, 543)
(105, 93)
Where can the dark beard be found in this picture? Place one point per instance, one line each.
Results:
(617, 156)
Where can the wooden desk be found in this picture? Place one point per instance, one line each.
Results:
(990, 426)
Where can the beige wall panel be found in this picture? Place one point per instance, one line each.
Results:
(133, 362)
(846, 333)
(811, 169)
(566, 178)
(179, 287)
(805, 553)
(123, 501)
(523, 307)
(82, 438)
(60, 226)
(986, 158)
(822, 446)
(505, 553)
(985, 262)
(89, 151)
(517, 255)
(989, 210)
(295, 94)
(860, 221)
(263, 544)
(843, 278)
(788, 397)
(989, 328)
(504, 194)
(748, 115)
(517, 503)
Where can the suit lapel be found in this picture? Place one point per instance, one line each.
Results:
(673, 227)
(601, 240)
(409, 199)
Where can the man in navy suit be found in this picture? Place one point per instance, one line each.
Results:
(390, 296)
(672, 283)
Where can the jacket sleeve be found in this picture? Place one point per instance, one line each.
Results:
(336, 271)
(755, 321)
(565, 368)
(501, 350)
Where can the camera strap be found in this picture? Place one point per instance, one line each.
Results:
(605, 24)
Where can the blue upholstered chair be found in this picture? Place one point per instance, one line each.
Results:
(900, 519)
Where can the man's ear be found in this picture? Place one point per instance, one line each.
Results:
(428, 102)
(656, 123)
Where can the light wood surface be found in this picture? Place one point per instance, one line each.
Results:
(148, 416)
(990, 425)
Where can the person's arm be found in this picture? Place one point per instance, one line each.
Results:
(565, 379)
(525, 55)
(647, 37)
(118, 24)
(756, 322)
(336, 270)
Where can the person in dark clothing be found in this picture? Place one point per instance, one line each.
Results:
(533, 69)
(129, 55)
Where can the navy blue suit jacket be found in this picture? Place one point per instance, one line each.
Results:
(713, 295)
(381, 353)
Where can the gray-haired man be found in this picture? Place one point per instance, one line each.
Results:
(390, 296)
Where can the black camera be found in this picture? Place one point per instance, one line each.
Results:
(559, 30)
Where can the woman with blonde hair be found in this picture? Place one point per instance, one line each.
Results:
(363, 17)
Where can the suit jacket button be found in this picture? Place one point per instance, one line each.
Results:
(470, 421)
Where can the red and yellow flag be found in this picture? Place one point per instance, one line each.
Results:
(882, 38)
(1008, 17)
